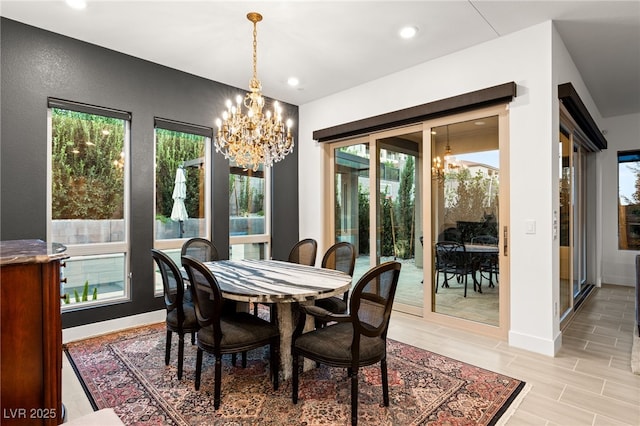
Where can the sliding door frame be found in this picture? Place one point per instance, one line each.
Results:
(502, 329)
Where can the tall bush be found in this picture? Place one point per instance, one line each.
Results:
(87, 166)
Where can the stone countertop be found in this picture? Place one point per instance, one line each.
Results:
(30, 251)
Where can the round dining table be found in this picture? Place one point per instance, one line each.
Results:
(281, 283)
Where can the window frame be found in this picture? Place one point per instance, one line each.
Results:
(175, 244)
(257, 238)
(633, 157)
(94, 249)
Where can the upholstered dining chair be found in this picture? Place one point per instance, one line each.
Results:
(340, 257)
(225, 334)
(358, 338)
(200, 248)
(304, 252)
(205, 251)
(452, 261)
(181, 318)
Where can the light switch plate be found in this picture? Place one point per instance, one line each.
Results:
(530, 226)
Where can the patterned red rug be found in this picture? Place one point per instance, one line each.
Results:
(126, 371)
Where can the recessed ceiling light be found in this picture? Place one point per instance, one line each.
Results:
(293, 81)
(76, 4)
(408, 32)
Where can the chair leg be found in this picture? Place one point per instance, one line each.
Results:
(198, 368)
(465, 286)
(233, 359)
(217, 385)
(180, 354)
(294, 379)
(385, 382)
(193, 337)
(354, 396)
(167, 353)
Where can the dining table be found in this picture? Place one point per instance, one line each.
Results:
(477, 254)
(282, 283)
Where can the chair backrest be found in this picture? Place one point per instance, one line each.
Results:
(172, 282)
(372, 300)
(304, 252)
(340, 257)
(200, 248)
(449, 254)
(486, 240)
(206, 294)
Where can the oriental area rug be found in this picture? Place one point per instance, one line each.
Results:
(126, 371)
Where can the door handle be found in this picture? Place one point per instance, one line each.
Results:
(505, 239)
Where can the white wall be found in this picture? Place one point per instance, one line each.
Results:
(525, 57)
(622, 134)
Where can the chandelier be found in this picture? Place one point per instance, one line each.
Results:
(253, 138)
(441, 166)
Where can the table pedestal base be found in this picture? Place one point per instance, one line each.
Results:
(287, 320)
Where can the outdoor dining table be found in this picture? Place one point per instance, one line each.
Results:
(477, 253)
(282, 283)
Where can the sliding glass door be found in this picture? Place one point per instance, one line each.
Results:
(395, 194)
(572, 216)
(465, 200)
(375, 208)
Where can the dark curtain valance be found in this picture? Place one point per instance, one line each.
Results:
(578, 111)
(472, 100)
(88, 109)
(178, 126)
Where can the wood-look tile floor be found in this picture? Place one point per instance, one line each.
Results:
(589, 382)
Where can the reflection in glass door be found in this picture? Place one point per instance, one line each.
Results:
(397, 231)
(352, 201)
(465, 220)
(375, 206)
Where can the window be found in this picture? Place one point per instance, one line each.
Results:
(629, 200)
(249, 231)
(182, 186)
(88, 200)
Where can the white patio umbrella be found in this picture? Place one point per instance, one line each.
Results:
(179, 211)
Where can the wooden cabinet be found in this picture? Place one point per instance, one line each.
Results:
(31, 333)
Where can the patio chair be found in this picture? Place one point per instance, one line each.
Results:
(452, 261)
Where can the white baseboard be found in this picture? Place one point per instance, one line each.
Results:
(535, 344)
(98, 328)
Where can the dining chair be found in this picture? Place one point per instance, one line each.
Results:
(358, 339)
(200, 248)
(304, 252)
(340, 257)
(181, 316)
(220, 334)
(452, 261)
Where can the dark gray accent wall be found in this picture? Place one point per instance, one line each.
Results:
(37, 64)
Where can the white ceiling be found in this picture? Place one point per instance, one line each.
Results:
(333, 45)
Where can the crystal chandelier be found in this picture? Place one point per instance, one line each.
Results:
(441, 166)
(253, 138)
